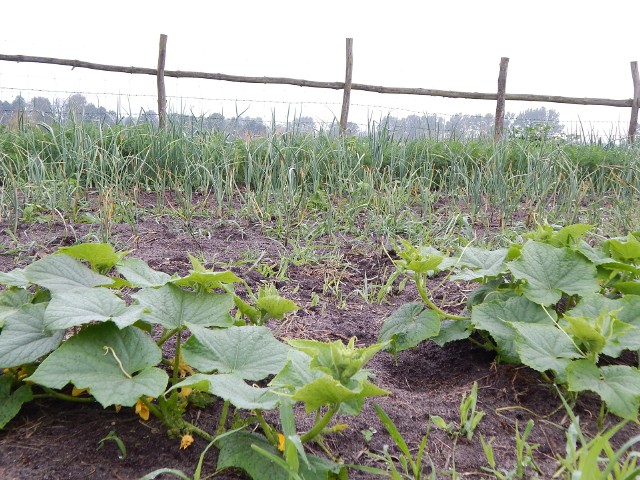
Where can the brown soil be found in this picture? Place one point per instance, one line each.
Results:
(55, 440)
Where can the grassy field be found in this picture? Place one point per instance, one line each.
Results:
(346, 227)
(397, 185)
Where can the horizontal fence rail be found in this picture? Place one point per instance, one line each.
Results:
(347, 85)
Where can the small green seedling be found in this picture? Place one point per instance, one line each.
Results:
(113, 437)
(469, 417)
(524, 456)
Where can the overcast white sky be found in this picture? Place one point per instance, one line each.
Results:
(556, 47)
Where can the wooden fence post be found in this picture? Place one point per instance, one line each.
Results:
(162, 95)
(502, 87)
(633, 124)
(346, 99)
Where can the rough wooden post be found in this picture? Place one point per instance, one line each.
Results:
(346, 99)
(502, 87)
(633, 124)
(162, 95)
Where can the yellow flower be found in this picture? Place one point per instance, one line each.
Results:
(185, 392)
(118, 407)
(186, 441)
(77, 392)
(281, 442)
(183, 367)
(142, 409)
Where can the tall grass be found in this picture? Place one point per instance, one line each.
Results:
(385, 184)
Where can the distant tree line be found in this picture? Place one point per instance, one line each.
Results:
(77, 108)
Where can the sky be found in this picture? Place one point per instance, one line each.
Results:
(556, 47)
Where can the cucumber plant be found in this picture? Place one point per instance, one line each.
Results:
(69, 331)
(555, 303)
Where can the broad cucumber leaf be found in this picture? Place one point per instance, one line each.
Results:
(565, 237)
(296, 373)
(544, 347)
(496, 318)
(236, 452)
(173, 307)
(207, 279)
(25, 338)
(408, 326)
(452, 330)
(623, 249)
(139, 274)
(101, 256)
(549, 272)
(342, 362)
(626, 336)
(241, 395)
(79, 306)
(11, 300)
(276, 306)
(240, 450)
(617, 385)
(117, 366)
(14, 278)
(62, 272)
(11, 402)
(326, 390)
(481, 263)
(247, 352)
(628, 288)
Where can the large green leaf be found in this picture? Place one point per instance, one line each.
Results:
(625, 310)
(117, 366)
(623, 249)
(617, 385)
(11, 300)
(544, 347)
(241, 395)
(25, 338)
(480, 263)
(101, 256)
(495, 318)
(236, 452)
(342, 362)
(62, 272)
(207, 279)
(248, 352)
(326, 390)
(14, 278)
(276, 306)
(139, 274)
(296, 373)
(11, 402)
(84, 305)
(173, 307)
(549, 271)
(408, 326)
(451, 331)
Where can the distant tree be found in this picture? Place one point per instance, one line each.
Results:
(215, 122)
(75, 105)
(538, 118)
(40, 110)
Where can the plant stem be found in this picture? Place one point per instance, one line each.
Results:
(175, 377)
(166, 336)
(62, 396)
(422, 290)
(223, 417)
(320, 424)
(266, 428)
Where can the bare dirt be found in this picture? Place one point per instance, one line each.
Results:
(56, 440)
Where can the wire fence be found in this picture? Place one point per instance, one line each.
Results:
(402, 122)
